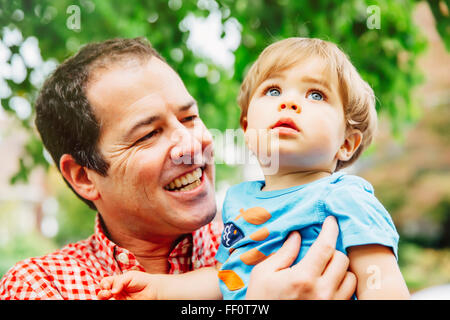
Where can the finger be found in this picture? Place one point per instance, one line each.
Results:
(104, 294)
(286, 255)
(347, 287)
(336, 270)
(119, 283)
(106, 283)
(322, 250)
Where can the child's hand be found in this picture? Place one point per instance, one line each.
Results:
(132, 285)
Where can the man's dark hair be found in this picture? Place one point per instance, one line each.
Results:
(64, 117)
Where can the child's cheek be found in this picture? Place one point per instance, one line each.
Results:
(251, 140)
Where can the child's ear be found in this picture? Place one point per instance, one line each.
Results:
(351, 144)
(244, 128)
(244, 123)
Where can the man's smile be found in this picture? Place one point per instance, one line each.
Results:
(186, 181)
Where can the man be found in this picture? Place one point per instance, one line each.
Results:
(127, 138)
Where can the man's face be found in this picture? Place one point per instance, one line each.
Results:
(303, 106)
(155, 143)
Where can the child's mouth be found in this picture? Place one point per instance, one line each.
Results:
(286, 126)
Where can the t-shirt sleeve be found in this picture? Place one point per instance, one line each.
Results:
(361, 217)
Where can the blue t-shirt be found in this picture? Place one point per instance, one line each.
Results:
(256, 223)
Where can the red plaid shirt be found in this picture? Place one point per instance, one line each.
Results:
(75, 271)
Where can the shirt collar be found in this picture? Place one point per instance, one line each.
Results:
(118, 260)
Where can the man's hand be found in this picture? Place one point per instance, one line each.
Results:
(321, 274)
(132, 285)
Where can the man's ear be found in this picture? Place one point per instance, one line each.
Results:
(351, 144)
(78, 177)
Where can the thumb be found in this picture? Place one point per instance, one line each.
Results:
(286, 255)
(121, 282)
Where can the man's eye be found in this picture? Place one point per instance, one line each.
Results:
(315, 95)
(149, 135)
(190, 118)
(273, 92)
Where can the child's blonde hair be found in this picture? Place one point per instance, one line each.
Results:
(357, 96)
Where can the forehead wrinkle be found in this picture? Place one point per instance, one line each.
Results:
(143, 100)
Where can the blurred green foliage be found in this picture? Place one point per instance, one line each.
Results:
(386, 57)
(22, 247)
(423, 266)
(441, 14)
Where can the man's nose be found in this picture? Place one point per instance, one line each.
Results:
(290, 106)
(187, 147)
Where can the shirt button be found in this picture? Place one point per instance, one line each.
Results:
(123, 257)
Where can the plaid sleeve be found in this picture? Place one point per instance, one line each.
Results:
(25, 281)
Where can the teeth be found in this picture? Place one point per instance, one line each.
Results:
(198, 173)
(188, 182)
(191, 186)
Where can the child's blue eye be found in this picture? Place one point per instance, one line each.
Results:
(315, 96)
(273, 92)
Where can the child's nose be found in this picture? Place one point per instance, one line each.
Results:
(290, 105)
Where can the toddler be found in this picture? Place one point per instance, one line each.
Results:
(307, 97)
